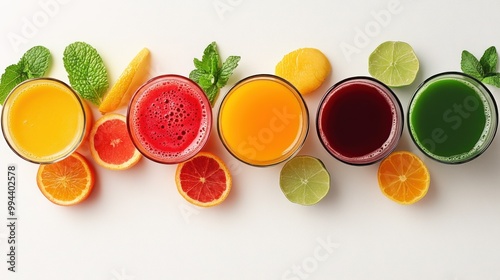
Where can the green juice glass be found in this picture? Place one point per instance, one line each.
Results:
(452, 118)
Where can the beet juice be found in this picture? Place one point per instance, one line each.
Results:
(359, 121)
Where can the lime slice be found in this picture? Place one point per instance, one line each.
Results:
(304, 180)
(393, 63)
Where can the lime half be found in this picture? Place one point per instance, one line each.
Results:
(304, 180)
(394, 63)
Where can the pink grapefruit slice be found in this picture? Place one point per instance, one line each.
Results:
(204, 180)
(110, 143)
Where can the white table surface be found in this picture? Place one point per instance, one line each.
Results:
(135, 225)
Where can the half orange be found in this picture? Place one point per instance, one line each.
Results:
(403, 177)
(66, 182)
(110, 143)
(204, 180)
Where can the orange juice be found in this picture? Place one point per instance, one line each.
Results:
(43, 120)
(263, 120)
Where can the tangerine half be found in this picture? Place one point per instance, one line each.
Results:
(403, 177)
(66, 182)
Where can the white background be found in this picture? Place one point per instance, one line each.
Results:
(135, 225)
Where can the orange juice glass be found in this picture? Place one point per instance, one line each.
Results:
(263, 120)
(43, 120)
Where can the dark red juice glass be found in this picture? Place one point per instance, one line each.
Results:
(359, 121)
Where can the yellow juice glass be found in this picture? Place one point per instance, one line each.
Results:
(263, 120)
(43, 120)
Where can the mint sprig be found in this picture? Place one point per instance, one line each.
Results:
(33, 64)
(86, 71)
(210, 74)
(483, 69)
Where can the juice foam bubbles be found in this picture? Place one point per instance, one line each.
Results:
(169, 119)
(452, 118)
(359, 121)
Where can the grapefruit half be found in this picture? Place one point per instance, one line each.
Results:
(110, 143)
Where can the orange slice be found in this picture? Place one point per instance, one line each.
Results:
(110, 143)
(66, 182)
(305, 68)
(403, 177)
(89, 119)
(131, 78)
(204, 180)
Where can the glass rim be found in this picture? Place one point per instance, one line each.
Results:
(141, 90)
(8, 138)
(304, 110)
(399, 126)
(483, 89)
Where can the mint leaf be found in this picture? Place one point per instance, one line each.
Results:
(493, 80)
(196, 75)
(200, 65)
(35, 61)
(212, 92)
(12, 76)
(206, 81)
(210, 55)
(471, 66)
(214, 64)
(484, 69)
(489, 60)
(86, 71)
(209, 74)
(33, 64)
(227, 70)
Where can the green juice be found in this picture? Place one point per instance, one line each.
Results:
(452, 118)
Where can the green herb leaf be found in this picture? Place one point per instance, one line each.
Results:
(199, 65)
(86, 71)
(227, 70)
(12, 76)
(484, 69)
(209, 74)
(196, 74)
(214, 64)
(471, 66)
(489, 60)
(493, 80)
(212, 92)
(206, 81)
(33, 64)
(210, 55)
(35, 61)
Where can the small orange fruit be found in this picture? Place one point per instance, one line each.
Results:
(131, 78)
(204, 180)
(110, 143)
(66, 182)
(403, 177)
(305, 68)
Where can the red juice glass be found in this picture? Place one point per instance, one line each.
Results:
(359, 121)
(169, 119)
